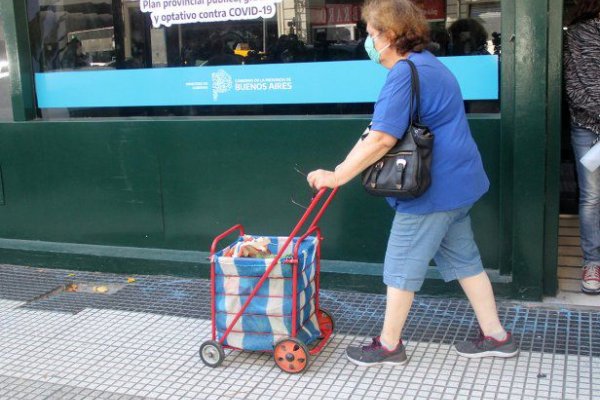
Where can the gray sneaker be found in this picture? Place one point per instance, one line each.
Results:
(485, 346)
(376, 354)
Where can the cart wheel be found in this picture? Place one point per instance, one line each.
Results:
(291, 355)
(212, 353)
(326, 322)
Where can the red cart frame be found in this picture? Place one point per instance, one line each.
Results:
(291, 354)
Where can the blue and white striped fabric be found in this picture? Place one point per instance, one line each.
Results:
(268, 317)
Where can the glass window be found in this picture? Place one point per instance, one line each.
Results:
(474, 29)
(235, 57)
(5, 95)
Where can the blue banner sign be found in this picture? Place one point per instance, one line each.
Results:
(293, 83)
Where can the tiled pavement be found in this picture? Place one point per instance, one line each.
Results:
(142, 342)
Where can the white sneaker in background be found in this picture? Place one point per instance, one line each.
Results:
(590, 282)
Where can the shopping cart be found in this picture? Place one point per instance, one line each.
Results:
(271, 304)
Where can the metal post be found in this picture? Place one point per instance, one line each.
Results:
(264, 35)
(16, 26)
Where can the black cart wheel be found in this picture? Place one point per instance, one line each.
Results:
(212, 353)
(291, 355)
(326, 322)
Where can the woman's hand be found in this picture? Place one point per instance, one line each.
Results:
(321, 178)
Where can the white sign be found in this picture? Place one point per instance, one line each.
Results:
(173, 12)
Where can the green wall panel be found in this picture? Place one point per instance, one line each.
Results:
(175, 184)
(83, 183)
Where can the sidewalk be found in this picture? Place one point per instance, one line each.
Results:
(140, 340)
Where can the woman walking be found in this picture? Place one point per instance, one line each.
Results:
(437, 224)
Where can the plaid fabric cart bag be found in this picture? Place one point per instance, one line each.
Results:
(271, 303)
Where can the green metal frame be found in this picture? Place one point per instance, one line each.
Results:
(507, 98)
(553, 158)
(529, 141)
(531, 144)
(16, 34)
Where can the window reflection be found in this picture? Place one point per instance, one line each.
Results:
(69, 35)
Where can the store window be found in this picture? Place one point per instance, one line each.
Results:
(476, 31)
(5, 95)
(236, 57)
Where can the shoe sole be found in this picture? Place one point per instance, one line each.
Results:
(500, 354)
(364, 364)
(589, 291)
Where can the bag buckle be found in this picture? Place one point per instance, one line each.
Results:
(400, 164)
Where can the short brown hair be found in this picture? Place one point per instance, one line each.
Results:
(403, 18)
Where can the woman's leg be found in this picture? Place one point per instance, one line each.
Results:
(397, 306)
(589, 196)
(387, 348)
(459, 258)
(413, 241)
(495, 341)
(481, 296)
(589, 210)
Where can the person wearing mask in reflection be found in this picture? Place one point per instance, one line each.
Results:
(437, 224)
(582, 82)
(467, 38)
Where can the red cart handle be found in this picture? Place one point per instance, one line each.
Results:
(303, 237)
(312, 206)
(213, 247)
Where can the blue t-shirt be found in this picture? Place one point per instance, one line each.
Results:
(457, 175)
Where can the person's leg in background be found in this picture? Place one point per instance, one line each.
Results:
(589, 210)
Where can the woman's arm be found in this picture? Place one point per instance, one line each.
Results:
(363, 154)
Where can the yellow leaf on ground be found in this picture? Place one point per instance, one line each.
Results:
(130, 280)
(100, 289)
(71, 287)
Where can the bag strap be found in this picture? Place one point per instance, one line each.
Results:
(415, 91)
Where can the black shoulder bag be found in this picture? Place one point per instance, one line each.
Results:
(405, 171)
